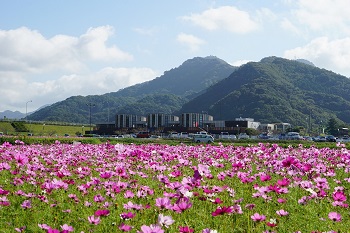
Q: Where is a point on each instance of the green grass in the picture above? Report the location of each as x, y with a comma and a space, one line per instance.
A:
43, 129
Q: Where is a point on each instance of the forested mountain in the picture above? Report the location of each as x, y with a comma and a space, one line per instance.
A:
277, 90
272, 90
165, 94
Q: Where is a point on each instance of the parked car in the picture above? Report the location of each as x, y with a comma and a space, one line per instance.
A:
203, 132
183, 135
293, 136
330, 138
263, 136
143, 134
308, 138
282, 136
243, 136
203, 138
225, 135
343, 139
274, 137
320, 139
173, 135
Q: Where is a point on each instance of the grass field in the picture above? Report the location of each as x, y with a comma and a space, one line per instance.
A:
43, 129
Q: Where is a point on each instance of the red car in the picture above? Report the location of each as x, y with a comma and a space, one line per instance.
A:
143, 135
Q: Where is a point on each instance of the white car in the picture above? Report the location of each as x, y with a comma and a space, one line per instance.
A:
224, 135
343, 139
203, 138
243, 136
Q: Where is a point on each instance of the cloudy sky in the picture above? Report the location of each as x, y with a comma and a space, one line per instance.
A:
51, 50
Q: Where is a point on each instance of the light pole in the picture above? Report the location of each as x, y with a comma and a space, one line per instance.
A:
107, 112
90, 105
27, 108
82, 130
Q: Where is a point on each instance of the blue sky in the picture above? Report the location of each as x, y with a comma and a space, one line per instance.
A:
51, 50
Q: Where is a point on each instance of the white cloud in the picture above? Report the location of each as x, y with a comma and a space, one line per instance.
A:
25, 50
92, 45
226, 18
17, 90
31, 67
329, 54
287, 25
192, 42
239, 62
324, 15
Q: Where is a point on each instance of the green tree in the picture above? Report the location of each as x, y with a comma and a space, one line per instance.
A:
332, 127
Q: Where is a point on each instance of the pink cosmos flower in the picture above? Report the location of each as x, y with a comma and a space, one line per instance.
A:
127, 216
282, 213
334, 216
208, 230
21, 229
98, 198
258, 218
50, 230
26, 204
94, 220
339, 196
151, 229
185, 229
106, 174
44, 226
250, 206
217, 201
284, 182
182, 206
163, 203
129, 194
66, 228
165, 220
124, 227
265, 177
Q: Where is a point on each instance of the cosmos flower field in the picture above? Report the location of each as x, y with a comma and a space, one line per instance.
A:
153, 188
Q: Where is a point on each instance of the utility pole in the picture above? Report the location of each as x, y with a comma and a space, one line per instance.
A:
90, 105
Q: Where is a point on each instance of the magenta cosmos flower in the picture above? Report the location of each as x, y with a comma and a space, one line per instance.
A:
222, 210
185, 229
102, 212
334, 216
258, 218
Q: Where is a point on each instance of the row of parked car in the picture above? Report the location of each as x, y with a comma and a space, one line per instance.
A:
203, 136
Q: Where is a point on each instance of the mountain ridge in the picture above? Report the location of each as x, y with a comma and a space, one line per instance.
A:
273, 89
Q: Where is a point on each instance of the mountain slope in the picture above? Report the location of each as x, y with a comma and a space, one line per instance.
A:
277, 90
185, 82
190, 78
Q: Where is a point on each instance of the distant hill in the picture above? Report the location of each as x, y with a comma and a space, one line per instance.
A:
277, 90
166, 94
271, 90
12, 115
